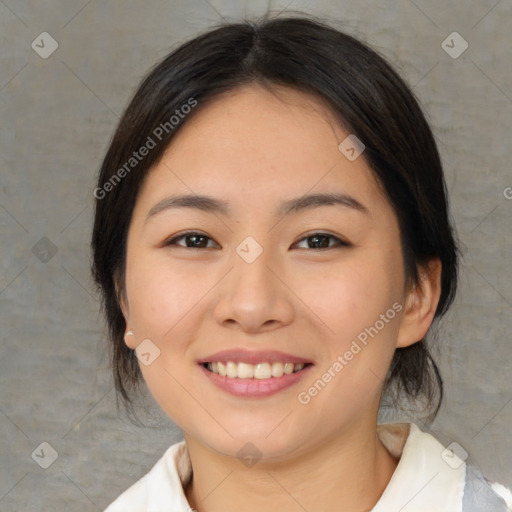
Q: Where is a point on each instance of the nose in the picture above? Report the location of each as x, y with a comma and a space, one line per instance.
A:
253, 297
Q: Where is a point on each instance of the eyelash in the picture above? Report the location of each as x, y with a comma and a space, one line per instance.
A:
339, 241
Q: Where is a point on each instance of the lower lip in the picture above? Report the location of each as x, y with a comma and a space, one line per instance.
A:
255, 388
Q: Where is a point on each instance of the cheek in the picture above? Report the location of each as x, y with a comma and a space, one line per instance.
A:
164, 303
355, 302
351, 296
161, 296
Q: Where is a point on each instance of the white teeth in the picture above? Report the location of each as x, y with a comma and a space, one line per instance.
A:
277, 369
253, 371
245, 371
262, 371
288, 368
231, 370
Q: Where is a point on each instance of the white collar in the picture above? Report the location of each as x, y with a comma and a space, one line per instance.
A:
422, 481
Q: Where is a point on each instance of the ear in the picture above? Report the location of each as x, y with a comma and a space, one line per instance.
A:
421, 304
122, 300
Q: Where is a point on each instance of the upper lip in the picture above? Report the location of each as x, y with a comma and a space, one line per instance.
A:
242, 355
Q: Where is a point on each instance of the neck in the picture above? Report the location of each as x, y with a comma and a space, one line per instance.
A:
348, 472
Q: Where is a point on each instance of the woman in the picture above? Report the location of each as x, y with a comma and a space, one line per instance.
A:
272, 244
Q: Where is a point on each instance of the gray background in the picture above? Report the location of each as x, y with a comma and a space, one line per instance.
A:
57, 118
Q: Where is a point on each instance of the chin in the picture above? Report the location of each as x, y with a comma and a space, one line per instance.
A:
263, 442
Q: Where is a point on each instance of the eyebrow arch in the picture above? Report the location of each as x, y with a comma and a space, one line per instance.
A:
213, 205
199, 202
321, 199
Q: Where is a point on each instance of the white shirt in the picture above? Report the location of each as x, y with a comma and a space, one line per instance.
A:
427, 478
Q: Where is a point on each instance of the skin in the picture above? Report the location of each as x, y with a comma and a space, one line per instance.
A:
256, 149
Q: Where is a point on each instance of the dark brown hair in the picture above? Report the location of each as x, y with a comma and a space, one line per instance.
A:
363, 91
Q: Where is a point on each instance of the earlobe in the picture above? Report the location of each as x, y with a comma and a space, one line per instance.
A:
421, 304
129, 337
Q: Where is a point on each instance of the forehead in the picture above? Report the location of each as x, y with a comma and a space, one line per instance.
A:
256, 121
254, 146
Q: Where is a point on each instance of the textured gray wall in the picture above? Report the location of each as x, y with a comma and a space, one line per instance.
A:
58, 114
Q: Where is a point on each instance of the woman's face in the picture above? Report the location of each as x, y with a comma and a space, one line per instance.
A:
270, 275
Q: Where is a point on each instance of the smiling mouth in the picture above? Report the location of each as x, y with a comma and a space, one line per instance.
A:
262, 370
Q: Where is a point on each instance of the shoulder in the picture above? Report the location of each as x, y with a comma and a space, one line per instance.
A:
480, 494
161, 488
430, 476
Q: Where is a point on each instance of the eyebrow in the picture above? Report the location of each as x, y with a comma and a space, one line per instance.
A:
213, 205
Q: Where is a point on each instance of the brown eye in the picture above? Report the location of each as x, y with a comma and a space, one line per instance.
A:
323, 241
193, 240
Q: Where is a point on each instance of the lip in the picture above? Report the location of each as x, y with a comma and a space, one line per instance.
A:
255, 388
252, 357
